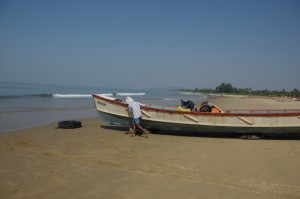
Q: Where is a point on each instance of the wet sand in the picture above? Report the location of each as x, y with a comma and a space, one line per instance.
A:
98, 161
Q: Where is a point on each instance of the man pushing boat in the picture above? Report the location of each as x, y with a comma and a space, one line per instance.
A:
135, 109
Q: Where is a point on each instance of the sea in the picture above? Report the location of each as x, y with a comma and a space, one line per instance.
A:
24, 105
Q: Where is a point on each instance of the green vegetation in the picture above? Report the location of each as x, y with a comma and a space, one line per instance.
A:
229, 89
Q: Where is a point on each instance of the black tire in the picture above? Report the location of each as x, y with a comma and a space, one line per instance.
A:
71, 124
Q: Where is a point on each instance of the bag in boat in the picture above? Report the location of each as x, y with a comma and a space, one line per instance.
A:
188, 105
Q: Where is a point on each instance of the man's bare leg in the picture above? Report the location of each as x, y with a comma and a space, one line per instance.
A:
133, 130
145, 131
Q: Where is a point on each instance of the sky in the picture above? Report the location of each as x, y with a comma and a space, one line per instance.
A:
151, 43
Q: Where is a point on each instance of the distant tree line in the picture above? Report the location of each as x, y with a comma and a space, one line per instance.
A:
229, 89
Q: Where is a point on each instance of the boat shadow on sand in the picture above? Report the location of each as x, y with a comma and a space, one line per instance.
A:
273, 136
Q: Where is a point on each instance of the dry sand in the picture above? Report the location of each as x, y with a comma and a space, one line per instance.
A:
228, 102
97, 161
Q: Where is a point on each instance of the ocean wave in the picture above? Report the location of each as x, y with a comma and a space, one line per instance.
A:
191, 93
169, 99
130, 94
25, 96
71, 95
68, 95
89, 95
45, 95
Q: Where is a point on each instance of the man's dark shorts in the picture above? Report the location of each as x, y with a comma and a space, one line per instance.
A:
137, 120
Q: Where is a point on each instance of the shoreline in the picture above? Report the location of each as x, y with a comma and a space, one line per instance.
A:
24, 120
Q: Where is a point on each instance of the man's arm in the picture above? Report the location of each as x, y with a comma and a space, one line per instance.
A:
129, 109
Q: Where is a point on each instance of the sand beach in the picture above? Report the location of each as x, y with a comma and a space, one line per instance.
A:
99, 161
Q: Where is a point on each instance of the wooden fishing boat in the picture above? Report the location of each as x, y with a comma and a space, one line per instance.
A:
114, 112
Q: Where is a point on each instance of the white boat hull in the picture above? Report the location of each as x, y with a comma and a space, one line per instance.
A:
114, 113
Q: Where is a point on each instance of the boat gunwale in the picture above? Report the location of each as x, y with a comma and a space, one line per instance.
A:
209, 113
